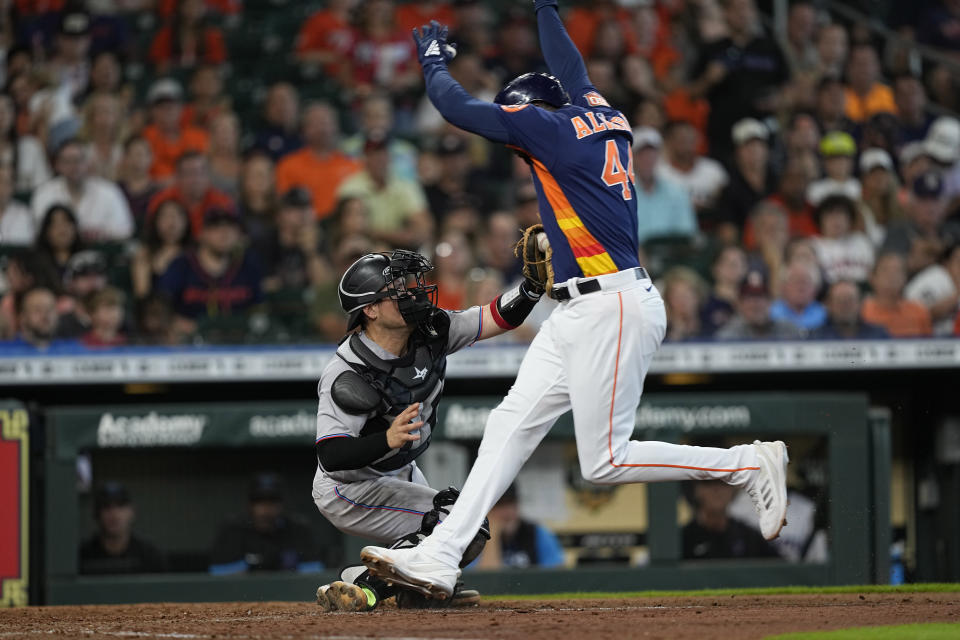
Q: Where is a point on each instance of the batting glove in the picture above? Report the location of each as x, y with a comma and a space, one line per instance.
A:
432, 44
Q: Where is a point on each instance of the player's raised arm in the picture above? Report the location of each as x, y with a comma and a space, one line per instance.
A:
452, 101
559, 52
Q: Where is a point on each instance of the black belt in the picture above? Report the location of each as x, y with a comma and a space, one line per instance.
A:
591, 285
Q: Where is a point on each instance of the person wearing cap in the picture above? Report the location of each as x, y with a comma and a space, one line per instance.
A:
70, 65
838, 150
320, 166
85, 275
753, 321
457, 180
879, 186
919, 237
702, 177
192, 187
266, 537
397, 205
751, 179
843, 252
740, 74
101, 210
168, 136
115, 548
866, 95
290, 253
664, 209
844, 321
938, 288
218, 279
942, 145
887, 307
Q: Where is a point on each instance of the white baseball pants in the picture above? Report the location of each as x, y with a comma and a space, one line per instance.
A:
591, 356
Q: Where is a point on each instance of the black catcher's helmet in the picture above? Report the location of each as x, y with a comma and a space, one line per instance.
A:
533, 87
397, 275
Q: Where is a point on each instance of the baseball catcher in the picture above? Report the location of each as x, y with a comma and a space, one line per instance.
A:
378, 407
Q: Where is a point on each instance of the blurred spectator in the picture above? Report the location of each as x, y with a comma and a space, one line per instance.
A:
771, 235
280, 132
106, 76
881, 131
101, 209
684, 293
326, 315
37, 322
911, 100
134, 177
101, 130
740, 74
712, 533
939, 25
415, 14
350, 219
453, 258
70, 65
516, 542
942, 145
843, 316
728, 270
167, 8
22, 153
23, 270
187, 40
865, 94
937, 288
106, 311
290, 254
943, 86
114, 548
702, 177
516, 46
382, 54
914, 162
832, 48
165, 238
58, 239
224, 153
17, 224
797, 303
217, 278
918, 238
843, 254
208, 101
831, 106
327, 37
258, 197
879, 186
496, 245
167, 135
663, 206
320, 166
798, 43
802, 136
750, 181
377, 121
887, 307
792, 198
192, 188
397, 206
265, 538
155, 321
85, 275
838, 150
457, 180
753, 321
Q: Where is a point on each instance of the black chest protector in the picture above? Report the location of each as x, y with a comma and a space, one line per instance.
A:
416, 376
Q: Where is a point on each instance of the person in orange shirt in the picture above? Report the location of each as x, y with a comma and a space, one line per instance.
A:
193, 190
887, 307
414, 14
327, 37
319, 167
865, 94
187, 39
168, 138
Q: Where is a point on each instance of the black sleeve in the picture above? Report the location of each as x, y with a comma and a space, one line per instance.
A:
343, 454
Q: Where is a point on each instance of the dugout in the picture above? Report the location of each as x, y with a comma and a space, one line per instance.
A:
186, 465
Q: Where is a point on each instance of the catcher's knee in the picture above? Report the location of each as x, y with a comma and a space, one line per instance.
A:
442, 502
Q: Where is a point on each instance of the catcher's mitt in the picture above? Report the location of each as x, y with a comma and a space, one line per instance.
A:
534, 249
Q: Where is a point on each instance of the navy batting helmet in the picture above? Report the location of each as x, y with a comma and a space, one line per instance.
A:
533, 87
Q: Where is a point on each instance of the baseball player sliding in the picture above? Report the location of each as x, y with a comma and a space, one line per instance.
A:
593, 352
377, 409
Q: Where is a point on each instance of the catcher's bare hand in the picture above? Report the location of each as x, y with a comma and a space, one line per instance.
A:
399, 432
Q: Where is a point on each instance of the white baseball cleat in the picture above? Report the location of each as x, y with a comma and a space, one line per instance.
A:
412, 569
768, 487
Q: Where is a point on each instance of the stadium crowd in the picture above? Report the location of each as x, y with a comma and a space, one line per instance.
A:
202, 171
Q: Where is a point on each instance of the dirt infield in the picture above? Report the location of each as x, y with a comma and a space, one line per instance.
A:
700, 617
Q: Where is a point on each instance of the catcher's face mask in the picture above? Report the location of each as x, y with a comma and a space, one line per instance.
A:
416, 300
